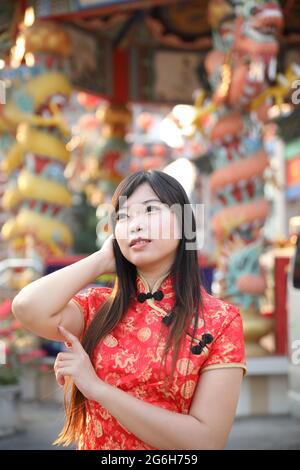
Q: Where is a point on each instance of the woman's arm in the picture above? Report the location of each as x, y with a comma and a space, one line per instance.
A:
207, 425
45, 303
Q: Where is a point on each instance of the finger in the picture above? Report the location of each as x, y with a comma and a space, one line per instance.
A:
73, 340
62, 356
66, 370
59, 364
60, 379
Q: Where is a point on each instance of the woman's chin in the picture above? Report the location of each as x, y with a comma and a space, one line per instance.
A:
142, 259
138, 258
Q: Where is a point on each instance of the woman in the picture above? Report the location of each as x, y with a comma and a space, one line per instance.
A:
155, 362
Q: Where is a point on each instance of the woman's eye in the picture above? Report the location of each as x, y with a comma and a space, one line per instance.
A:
121, 216
151, 208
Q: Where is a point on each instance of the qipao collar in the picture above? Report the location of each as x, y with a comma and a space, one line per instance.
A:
158, 298
161, 293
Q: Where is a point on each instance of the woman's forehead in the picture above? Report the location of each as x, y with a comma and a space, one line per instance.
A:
141, 195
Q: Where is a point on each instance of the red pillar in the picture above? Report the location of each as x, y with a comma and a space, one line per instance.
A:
120, 76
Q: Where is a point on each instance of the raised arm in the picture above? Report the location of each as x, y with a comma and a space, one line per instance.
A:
46, 303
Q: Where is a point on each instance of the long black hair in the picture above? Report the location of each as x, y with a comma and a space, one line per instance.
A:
186, 283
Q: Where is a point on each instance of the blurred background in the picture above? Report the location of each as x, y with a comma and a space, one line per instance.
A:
207, 91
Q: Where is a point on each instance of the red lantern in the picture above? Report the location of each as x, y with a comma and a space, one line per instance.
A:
87, 100
159, 150
139, 151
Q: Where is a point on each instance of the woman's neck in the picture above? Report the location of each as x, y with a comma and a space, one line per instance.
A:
151, 275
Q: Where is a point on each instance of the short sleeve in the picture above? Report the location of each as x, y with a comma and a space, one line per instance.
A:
90, 301
228, 350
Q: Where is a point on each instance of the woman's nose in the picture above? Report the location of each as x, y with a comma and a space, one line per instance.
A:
136, 224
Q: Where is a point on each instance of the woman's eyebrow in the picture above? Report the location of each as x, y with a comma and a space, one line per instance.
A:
143, 202
150, 200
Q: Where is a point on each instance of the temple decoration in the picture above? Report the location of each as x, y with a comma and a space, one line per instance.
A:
240, 69
36, 196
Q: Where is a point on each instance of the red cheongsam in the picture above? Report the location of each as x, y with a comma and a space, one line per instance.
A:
130, 357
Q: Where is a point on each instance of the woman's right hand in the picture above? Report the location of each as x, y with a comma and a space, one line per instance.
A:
108, 253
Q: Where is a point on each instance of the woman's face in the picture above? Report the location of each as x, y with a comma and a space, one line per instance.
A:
147, 231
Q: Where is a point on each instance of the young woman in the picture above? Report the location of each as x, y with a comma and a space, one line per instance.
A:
154, 362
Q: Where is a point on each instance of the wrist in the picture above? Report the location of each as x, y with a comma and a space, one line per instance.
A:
99, 390
99, 263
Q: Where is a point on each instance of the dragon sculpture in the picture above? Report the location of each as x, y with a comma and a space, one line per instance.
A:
241, 71
36, 197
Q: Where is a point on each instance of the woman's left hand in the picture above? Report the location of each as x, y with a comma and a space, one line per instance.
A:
76, 364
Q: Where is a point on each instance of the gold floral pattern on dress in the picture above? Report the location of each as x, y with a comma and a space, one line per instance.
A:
104, 413
184, 366
98, 361
144, 334
146, 373
149, 318
113, 379
127, 324
125, 360
110, 341
188, 388
130, 357
98, 429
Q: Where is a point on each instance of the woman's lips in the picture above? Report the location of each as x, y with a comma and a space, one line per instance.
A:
139, 244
